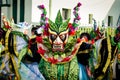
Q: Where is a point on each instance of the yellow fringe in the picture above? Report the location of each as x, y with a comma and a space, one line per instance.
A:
15, 66
99, 57
109, 55
11, 55
14, 45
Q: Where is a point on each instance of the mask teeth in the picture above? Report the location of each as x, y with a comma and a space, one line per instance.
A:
57, 47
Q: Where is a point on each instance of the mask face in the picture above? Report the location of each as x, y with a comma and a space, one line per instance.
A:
58, 41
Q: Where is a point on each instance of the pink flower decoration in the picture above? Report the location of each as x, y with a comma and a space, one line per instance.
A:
78, 18
41, 7
79, 4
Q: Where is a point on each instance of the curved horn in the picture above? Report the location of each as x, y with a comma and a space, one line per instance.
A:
43, 19
77, 17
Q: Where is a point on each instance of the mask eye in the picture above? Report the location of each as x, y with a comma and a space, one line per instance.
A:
53, 37
63, 37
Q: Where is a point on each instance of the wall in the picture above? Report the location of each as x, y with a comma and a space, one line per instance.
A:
58, 5
115, 12
28, 11
6, 11
99, 8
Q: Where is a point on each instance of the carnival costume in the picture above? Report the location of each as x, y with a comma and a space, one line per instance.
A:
59, 47
64, 55
14, 47
106, 49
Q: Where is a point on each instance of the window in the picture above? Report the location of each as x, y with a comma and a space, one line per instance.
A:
66, 13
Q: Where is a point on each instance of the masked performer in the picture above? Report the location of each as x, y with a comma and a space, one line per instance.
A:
59, 47
14, 48
106, 49
85, 57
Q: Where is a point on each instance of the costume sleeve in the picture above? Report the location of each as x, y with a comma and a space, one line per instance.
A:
84, 53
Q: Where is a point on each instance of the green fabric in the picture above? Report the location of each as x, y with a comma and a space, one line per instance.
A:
113, 42
66, 71
60, 71
118, 45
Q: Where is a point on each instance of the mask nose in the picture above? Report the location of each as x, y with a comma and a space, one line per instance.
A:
58, 40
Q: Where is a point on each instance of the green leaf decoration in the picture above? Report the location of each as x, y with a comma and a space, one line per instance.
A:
71, 42
118, 45
75, 25
58, 26
53, 26
45, 12
68, 47
47, 43
58, 20
64, 26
